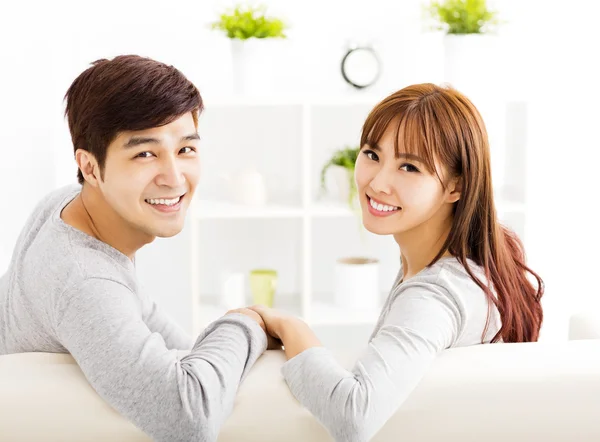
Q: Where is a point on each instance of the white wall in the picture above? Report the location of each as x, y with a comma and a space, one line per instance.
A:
548, 56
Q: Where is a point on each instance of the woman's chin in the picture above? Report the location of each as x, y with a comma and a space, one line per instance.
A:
376, 227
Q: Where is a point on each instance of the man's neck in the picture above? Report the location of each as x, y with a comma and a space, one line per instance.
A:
90, 213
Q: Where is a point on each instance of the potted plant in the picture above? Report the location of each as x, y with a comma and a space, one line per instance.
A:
469, 55
341, 166
255, 42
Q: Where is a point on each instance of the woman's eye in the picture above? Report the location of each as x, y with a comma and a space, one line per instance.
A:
409, 167
371, 155
144, 155
187, 149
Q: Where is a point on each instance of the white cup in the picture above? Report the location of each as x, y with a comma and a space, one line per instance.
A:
356, 283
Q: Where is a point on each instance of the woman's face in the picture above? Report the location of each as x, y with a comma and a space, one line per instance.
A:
398, 194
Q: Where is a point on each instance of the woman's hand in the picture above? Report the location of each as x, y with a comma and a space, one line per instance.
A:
273, 319
291, 331
272, 342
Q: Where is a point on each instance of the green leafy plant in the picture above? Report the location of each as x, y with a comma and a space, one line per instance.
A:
463, 16
244, 22
345, 157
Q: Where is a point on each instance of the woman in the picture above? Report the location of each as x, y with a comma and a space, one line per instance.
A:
423, 176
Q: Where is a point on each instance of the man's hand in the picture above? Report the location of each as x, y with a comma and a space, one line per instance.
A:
272, 342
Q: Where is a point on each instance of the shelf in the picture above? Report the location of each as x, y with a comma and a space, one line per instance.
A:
321, 314
331, 210
300, 230
210, 310
347, 100
338, 210
208, 209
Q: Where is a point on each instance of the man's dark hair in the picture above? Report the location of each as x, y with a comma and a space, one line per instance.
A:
126, 93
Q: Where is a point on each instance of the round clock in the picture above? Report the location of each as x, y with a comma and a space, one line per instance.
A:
361, 66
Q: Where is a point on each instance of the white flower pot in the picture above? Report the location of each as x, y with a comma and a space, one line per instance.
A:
254, 64
471, 63
341, 182
356, 284
247, 187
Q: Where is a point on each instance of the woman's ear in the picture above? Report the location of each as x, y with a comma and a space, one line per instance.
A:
454, 190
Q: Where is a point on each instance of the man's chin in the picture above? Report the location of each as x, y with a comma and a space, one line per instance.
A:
167, 233
164, 231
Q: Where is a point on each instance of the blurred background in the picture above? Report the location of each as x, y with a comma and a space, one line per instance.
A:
278, 111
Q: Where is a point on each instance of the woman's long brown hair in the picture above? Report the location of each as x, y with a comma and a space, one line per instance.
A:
441, 125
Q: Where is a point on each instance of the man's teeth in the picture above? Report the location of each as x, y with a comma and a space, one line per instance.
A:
382, 207
163, 201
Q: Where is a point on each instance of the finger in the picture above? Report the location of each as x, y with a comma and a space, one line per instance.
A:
259, 308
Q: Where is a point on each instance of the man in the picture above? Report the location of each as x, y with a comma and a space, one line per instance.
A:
71, 286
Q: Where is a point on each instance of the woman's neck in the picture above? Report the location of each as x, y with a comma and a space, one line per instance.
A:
419, 246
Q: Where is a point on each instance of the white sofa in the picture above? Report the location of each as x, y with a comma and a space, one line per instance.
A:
494, 393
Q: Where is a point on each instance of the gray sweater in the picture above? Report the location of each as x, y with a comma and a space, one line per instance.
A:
439, 308
66, 292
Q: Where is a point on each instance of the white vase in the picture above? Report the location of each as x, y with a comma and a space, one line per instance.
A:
341, 181
248, 187
471, 63
356, 283
254, 64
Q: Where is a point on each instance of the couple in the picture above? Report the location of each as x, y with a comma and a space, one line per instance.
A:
423, 176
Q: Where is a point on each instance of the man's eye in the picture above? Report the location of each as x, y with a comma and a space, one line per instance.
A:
371, 155
144, 155
187, 149
409, 167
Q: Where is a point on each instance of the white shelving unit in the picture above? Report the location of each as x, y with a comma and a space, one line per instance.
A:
300, 233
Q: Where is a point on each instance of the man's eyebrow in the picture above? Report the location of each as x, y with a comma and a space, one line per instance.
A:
137, 140
191, 137
410, 156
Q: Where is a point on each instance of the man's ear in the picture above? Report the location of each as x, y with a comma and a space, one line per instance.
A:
89, 166
454, 190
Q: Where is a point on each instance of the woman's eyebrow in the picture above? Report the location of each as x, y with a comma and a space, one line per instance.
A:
410, 156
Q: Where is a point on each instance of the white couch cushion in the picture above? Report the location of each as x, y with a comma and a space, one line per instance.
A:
517, 392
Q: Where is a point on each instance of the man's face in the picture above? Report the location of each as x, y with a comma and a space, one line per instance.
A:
150, 176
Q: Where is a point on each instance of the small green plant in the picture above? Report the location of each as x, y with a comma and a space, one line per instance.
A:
345, 157
463, 16
244, 22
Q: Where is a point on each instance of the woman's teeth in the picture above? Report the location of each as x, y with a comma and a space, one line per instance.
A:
382, 207
164, 202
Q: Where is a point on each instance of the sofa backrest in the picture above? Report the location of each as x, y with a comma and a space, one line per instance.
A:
518, 392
